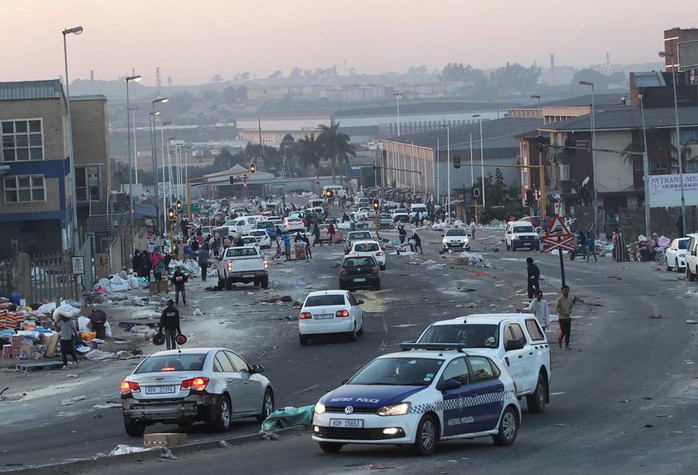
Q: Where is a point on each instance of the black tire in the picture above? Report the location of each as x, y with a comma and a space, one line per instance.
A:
513, 248
361, 330
133, 428
508, 247
221, 419
221, 284
267, 405
678, 269
508, 427
331, 447
265, 282
255, 283
536, 401
691, 276
228, 284
426, 436
352, 334
303, 339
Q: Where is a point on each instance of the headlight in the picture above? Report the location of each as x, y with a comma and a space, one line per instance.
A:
394, 410
319, 408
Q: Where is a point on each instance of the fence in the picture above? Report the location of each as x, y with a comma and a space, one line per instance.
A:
50, 277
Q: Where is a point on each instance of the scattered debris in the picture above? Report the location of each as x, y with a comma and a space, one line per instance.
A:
108, 405
656, 315
167, 454
225, 443
72, 400
692, 322
467, 289
268, 435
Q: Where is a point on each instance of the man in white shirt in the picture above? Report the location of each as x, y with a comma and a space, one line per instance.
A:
539, 308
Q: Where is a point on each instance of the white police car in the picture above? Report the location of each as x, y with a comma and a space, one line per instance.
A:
419, 398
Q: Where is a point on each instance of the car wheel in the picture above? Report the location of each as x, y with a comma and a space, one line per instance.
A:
508, 428
267, 405
513, 248
221, 283
691, 276
508, 247
228, 284
352, 334
425, 439
331, 447
222, 416
255, 283
668, 265
536, 401
303, 339
133, 428
265, 282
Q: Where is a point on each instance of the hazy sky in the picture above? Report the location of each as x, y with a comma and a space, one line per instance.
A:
191, 41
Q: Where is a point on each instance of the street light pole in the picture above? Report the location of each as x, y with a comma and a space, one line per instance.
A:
153, 136
645, 168
448, 170
398, 96
437, 172
482, 162
539, 145
593, 154
73, 185
135, 78
670, 54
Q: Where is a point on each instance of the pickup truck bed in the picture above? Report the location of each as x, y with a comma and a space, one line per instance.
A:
243, 264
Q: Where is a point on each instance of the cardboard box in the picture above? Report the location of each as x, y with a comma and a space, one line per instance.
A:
163, 286
164, 439
26, 352
462, 261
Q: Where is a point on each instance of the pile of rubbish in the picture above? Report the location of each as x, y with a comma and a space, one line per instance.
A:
475, 259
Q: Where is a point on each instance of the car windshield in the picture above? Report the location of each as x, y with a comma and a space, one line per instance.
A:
361, 235
524, 229
472, 335
324, 300
168, 363
238, 252
358, 261
265, 224
456, 232
369, 247
398, 372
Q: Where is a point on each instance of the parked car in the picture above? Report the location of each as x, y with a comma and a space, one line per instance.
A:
355, 236
330, 311
456, 239
368, 247
249, 241
401, 215
520, 234
676, 254
418, 398
692, 256
294, 225
514, 339
359, 271
262, 237
212, 385
385, 220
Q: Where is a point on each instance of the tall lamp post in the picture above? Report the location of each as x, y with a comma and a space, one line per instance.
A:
398, 96
135, 78
539, 145
482, 160
669, 54
593, 153
153, 137
73, 188
645, 168
448, 170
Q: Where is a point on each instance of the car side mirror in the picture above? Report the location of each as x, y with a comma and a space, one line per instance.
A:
513, 345
257, 368
360, 301
449, 384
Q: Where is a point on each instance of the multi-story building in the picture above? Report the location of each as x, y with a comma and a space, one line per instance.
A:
35, 209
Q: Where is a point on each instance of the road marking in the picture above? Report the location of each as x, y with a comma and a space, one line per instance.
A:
306, 389
557, 394
405, 325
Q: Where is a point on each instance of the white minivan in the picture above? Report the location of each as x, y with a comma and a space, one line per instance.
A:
418, 208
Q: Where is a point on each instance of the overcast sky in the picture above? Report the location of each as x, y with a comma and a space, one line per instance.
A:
191, 41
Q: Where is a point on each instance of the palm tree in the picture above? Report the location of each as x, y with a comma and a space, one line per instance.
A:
309, 152
336, 146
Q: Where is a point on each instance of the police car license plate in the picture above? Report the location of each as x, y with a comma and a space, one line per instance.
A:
360, 280
324, 316
160, 390
347, 423
247, 276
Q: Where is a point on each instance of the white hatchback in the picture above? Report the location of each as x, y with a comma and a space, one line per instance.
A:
368, 247
330, 311
262, 237
676, 254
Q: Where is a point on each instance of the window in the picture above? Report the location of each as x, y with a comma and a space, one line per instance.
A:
456, 370
534, 330
515, 332
323, 300
237, 361
25, 189
564, 172
483, 369
180, 362
22, 140
88, 183
221, 364
352, 300
637, 166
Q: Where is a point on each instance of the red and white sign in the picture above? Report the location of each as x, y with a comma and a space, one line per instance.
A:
558, 229
563, 244
558, 236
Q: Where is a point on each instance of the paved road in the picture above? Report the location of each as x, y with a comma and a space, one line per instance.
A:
622, 399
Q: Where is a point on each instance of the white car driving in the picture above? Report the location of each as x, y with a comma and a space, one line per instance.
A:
456, 239
262, 237
368, 247
330, 311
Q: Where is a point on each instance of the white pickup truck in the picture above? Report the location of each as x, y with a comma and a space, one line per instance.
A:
515, 339
242, 264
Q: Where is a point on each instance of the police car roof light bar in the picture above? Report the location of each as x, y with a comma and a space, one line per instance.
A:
433, 346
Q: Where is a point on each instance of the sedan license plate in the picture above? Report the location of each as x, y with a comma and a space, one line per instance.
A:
324, 316
248, 276
361, 279
160, 389
347, 423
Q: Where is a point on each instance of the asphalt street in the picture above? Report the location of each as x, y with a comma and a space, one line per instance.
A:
622, 399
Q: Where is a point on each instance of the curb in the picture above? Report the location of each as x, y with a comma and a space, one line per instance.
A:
77, 466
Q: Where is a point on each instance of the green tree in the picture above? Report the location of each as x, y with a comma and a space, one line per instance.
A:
335, 146
458, 72
515, 78
309, 151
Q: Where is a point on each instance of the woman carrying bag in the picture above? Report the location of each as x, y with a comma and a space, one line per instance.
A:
68, 335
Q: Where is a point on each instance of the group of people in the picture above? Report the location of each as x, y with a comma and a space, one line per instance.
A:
541, 308
415, 242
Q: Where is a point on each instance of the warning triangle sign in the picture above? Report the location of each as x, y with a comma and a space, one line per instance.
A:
557, 229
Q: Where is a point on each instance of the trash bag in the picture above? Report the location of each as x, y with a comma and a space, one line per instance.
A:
291, 416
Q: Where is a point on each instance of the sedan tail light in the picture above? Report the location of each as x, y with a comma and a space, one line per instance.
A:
342, 313
128, 387
376, 269
195, 384
305, 316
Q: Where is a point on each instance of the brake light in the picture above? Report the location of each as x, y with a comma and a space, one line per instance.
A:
229, 265
266, 263
195, 384
342, 270
376, 269
128, 387
168, 368
342, 313
305, 316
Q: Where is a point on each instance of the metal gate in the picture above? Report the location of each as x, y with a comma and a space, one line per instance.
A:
51, 277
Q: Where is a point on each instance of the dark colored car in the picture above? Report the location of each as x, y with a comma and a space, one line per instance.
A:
359, 271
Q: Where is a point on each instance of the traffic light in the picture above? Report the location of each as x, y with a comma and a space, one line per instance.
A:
171, 214
530, 197
253, 168
376, 204
456, 161
244, 178
232, 180
179, 206
329, 194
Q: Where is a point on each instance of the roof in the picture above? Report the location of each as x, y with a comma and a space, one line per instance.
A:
604, 99
649, 79
328, 292
628, 117
418, 107
28, 90
186, 351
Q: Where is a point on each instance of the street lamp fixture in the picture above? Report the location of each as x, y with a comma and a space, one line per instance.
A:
593, 152
645, 167
669, 54
135, 78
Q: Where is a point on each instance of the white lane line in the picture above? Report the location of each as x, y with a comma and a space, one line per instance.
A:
557, 394
306, 389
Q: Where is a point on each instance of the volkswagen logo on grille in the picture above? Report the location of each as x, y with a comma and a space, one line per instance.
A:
349, 410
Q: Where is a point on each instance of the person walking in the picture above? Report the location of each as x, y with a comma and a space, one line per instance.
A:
157, 261
591, 247
331, 230
179, 278
287, 246
316, 235
533, 277
622, 254
68, 334
203, 261
472, 229
540, 308
402, 234
417, 241
169, 321
563, 307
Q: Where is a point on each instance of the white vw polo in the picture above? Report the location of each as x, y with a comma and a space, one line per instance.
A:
419, 398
